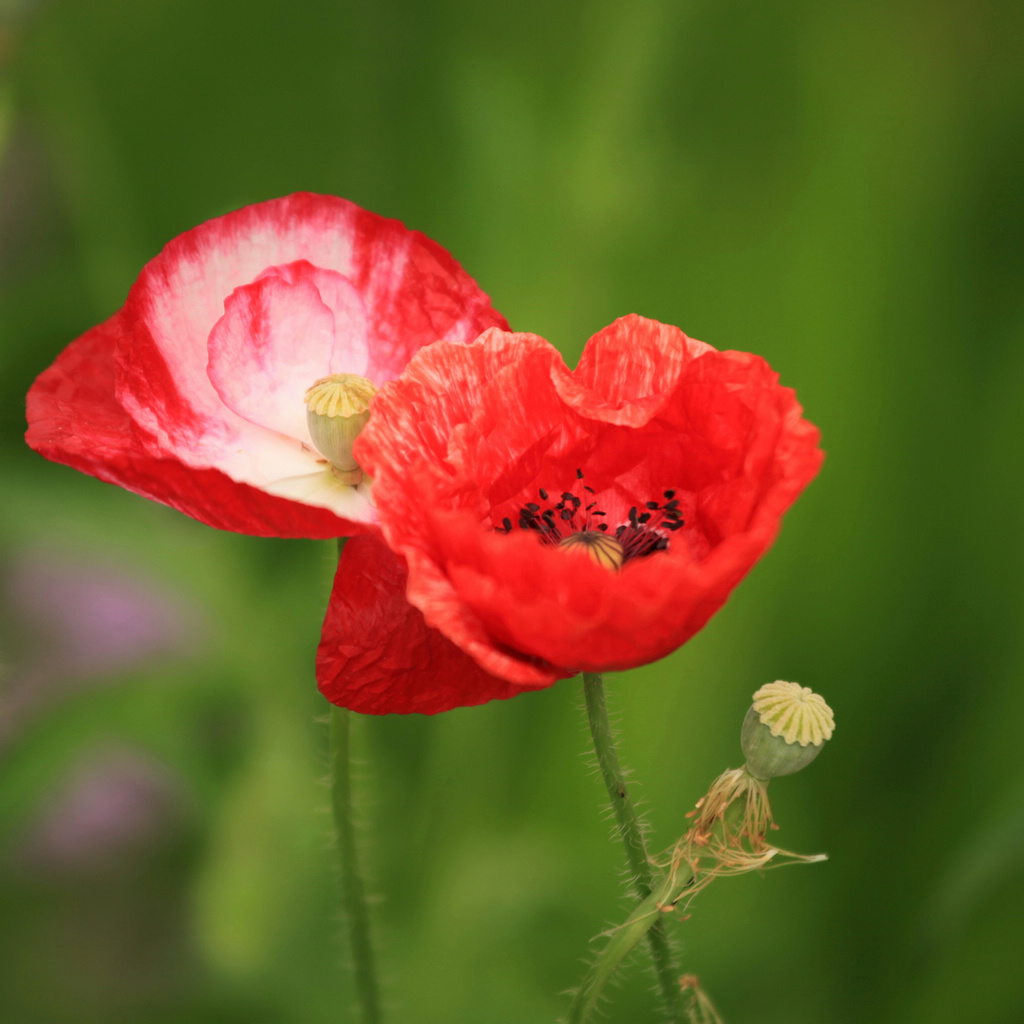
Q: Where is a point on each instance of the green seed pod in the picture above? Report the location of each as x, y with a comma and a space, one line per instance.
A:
785, 729
338, 407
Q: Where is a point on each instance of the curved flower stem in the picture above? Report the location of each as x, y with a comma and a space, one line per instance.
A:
631, 832
353, 892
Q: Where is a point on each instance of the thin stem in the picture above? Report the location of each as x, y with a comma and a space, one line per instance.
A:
353, 892
631, 833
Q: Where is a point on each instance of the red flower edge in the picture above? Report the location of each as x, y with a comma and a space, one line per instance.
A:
470, 436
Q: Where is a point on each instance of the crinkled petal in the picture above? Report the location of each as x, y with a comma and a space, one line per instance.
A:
74, 419
377, 655
443, 591
442, 391
628, 370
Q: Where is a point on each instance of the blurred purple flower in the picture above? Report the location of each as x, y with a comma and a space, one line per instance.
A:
116, 805
73, 624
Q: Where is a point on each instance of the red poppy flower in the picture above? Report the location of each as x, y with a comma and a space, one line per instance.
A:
552, 521
192, 394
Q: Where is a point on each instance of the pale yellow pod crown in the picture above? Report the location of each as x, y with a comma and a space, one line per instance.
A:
795, 713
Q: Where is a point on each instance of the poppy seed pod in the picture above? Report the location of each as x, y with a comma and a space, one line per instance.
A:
337, 409
784, 729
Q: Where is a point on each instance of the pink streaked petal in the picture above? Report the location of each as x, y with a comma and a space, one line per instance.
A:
243, 451
75, 420
273, 342
412, 300
337, 293
414, 293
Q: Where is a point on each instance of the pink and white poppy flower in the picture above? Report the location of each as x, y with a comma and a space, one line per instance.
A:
192, 394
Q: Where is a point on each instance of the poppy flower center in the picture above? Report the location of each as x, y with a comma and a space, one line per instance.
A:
576, 523
337, 409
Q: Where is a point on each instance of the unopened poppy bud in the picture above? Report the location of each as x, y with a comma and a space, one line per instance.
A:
785, 729
338, 407
601, 548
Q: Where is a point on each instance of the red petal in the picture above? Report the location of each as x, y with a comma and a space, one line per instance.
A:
378, 656
628, 370
446, 387
75, 420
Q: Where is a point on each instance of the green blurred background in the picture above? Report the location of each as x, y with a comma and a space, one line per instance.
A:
834, 186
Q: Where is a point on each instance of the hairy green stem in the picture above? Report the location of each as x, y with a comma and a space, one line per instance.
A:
353, 892
620, 942
631, 833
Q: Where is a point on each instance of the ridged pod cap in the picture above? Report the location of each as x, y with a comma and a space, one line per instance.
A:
785, 729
